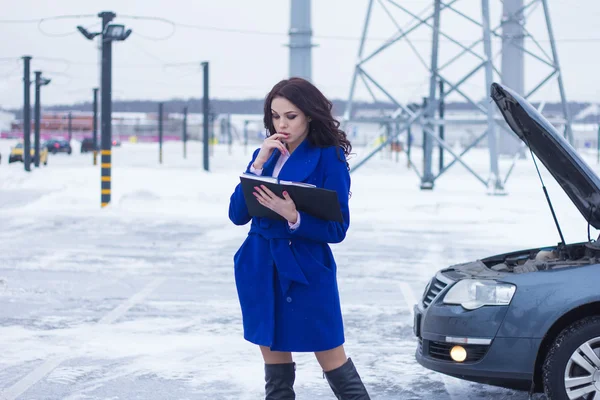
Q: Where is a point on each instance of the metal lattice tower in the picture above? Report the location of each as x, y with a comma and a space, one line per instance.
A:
511, 30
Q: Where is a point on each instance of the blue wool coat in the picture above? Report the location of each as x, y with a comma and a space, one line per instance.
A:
286, 279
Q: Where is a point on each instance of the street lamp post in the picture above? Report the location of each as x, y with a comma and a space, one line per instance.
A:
160, 133
185, 116
70, 126
110, 32
39, 82
95, 137
26, 113
205, 112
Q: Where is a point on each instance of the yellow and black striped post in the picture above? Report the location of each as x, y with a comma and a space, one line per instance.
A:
106, 160
108, 36
106, 112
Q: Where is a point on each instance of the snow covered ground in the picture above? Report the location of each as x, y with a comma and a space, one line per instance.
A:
137, 300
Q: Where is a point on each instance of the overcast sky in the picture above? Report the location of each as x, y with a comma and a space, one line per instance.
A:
244, 40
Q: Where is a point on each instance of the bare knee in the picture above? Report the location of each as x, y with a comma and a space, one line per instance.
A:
275, 357
331, 359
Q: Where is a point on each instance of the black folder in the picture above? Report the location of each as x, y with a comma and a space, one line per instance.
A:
318, 202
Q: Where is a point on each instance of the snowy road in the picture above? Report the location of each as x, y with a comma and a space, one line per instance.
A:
138, 300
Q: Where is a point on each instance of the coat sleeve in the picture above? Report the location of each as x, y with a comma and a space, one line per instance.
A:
238, 212
337, 178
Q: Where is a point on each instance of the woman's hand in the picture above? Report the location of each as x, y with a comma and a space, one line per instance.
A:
269, 144
284, 207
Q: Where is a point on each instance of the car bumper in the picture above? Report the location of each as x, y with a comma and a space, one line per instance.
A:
505, 362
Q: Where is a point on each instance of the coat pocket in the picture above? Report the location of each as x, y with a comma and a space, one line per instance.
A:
240, 256
236, 256
315, 261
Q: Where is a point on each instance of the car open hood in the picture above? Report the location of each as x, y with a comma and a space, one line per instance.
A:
577, 179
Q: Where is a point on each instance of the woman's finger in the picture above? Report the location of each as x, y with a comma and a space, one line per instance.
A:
282, 148
277, 144
264, 202
262, 193
259, 193
268, 191
261, 198
277, 136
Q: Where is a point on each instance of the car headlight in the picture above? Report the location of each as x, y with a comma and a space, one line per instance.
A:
473, 294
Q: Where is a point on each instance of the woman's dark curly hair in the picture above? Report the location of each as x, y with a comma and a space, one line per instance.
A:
323, 130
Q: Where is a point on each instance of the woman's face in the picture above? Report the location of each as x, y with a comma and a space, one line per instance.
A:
289, 120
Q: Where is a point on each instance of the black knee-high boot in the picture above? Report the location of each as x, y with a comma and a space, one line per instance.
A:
279, 381
346, 383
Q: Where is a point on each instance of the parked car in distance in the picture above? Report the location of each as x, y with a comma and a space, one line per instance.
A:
87, 145
528, 319
58, 146
16, 154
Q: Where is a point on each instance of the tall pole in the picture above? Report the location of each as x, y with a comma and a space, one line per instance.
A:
513, 63
185, 116
106, 99
427, 180
442, 126
229, 133
160, 132
245, 136
494, 181
409, 139
95, 134
36, 129
205, 119
396, 129
70, 118
26, 114
300, 40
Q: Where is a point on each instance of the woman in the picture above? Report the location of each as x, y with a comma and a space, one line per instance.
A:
285, 272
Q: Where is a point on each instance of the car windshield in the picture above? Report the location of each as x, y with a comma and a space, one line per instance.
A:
19, 146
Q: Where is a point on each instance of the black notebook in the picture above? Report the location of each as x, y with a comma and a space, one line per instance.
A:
318, 202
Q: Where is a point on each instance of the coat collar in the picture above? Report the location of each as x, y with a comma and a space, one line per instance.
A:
302, 162
270, 164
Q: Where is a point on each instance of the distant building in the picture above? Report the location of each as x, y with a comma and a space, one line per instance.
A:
235, 128
140, 126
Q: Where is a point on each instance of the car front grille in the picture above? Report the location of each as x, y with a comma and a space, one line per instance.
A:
441, 351
437, 284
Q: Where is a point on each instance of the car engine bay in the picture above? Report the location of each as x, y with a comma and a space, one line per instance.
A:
546, 258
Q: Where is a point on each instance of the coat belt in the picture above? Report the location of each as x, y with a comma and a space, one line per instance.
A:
287, 266
288, 269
